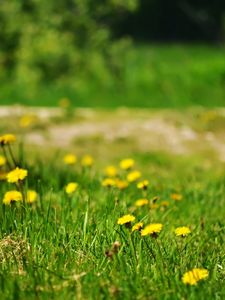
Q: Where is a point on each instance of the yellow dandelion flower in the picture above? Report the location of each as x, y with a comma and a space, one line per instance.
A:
71, 187
154, 205
87, 161
31, 196
2, 160
64, 103
164, 203
125, 219
176, 197
141, 202
26, 121
7, 139
121, 184
16, 175
108, 182
152, 229
133, 176
111, 171
143, 185
195, 275
70, 159
182, 231
12, 196
126, 164
138, 226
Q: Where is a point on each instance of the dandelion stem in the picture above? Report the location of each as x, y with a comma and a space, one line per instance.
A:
150, 249
12, 155
133, 248
6, 156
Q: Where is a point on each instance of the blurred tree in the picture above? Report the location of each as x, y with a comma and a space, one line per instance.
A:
50, 40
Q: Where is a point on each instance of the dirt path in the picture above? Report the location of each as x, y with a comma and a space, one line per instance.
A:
149, 130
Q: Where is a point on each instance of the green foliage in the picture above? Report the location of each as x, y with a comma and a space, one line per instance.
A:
56, 40
151, 76
66, 48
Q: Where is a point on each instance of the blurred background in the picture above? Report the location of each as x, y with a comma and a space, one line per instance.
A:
109, 53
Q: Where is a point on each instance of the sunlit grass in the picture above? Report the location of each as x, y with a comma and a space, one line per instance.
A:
71, 245
152, 76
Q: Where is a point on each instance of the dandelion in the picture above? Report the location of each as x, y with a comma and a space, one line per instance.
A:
2, 160
16, 175
7, 139
133, 176
182, 231
176, 197
138, 226
87, 161
108, 182
153, 205
141, 202
71, 187
121, 184
111, 171
126, 164
152, 229
64, 103
126, 219
70, 159
164, 203
195, 275
31, 196
26, 121
12, 196
143, 185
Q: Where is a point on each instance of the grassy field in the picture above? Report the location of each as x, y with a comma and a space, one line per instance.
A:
70, 246
152, 76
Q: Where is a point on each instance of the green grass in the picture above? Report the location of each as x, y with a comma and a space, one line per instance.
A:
152, 76
56, 248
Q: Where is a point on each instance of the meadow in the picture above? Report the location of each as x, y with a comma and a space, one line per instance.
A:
76, 225
173, 76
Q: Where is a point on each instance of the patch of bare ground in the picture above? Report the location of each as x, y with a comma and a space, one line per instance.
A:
150, 130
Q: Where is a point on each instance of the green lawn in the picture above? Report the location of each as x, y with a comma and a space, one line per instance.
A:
63, 246
153, 76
